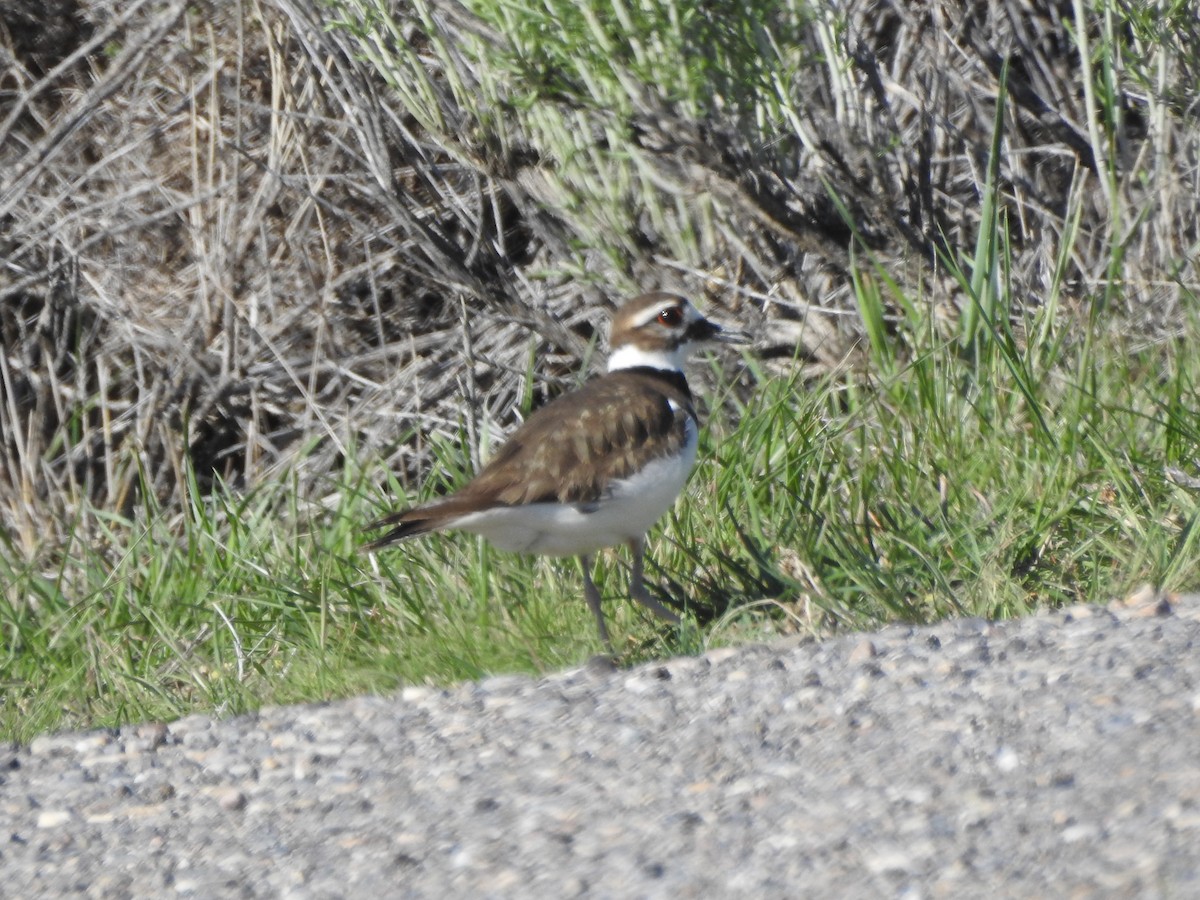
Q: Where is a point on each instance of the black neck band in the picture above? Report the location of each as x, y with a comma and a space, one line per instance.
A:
671, 376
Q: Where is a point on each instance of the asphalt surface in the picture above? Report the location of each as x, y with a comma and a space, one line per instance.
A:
1055, 756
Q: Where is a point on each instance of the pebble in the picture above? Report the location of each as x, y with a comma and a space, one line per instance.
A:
53, 818
863, 652
232, 800
147, 738
720, 654
1049, 756
1007, 760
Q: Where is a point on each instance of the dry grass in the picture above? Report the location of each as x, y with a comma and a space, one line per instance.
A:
225, 244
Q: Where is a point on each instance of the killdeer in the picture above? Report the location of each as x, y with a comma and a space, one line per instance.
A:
596, 467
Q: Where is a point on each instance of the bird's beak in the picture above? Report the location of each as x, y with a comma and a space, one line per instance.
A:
732, 336
705, 330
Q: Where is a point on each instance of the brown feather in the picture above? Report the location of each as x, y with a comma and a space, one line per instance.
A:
568, 450
571, 447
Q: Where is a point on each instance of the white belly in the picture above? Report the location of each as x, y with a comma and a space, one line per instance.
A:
627, 513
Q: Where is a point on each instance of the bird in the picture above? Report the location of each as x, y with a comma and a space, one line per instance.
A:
597, 466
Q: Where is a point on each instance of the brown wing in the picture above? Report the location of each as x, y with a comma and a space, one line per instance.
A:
566, 451
571, 447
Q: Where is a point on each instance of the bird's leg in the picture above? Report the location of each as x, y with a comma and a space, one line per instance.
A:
593, 599
637, 589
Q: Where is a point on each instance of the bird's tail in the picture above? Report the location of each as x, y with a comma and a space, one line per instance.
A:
410, 523
400, 527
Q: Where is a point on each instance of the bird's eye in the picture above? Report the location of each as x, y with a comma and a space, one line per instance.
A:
670, 316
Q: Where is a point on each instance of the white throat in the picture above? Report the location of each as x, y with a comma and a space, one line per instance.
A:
627, 356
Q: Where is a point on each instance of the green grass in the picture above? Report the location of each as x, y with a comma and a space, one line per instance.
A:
842, 503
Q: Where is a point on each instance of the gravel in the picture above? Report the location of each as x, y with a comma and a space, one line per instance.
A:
1057, 755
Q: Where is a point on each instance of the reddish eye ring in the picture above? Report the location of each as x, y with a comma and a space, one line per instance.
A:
670, 316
